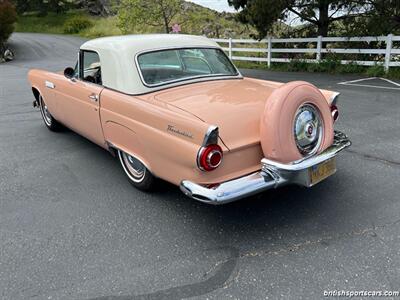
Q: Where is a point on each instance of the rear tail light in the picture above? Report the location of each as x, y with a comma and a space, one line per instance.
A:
209, 157
335, 112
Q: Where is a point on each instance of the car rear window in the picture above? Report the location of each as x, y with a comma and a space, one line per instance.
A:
166, 66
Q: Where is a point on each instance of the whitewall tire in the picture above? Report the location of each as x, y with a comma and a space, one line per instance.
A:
139, 176
48, 119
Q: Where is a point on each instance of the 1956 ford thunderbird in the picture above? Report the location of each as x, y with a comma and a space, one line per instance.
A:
175, 107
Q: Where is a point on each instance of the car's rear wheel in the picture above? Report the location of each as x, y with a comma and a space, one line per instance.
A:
139, 176
48, 119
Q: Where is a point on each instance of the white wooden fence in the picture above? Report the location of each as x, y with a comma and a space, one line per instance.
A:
382, 55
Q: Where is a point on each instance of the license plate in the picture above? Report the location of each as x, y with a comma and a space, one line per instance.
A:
322, 171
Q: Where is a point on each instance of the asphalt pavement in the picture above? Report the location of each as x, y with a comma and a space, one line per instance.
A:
72, 226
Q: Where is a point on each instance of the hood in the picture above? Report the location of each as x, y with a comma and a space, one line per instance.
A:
234, 105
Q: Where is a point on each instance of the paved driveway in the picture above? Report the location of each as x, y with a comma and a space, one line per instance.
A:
72, 227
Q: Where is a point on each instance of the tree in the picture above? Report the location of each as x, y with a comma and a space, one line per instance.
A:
8, 17
385, 15
382, 18
155, 13
44, 6
22, 5
321, 13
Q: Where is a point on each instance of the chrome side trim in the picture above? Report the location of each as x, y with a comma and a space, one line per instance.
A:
272, 175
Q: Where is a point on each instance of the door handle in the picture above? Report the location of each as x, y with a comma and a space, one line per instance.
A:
94, 97
50, 85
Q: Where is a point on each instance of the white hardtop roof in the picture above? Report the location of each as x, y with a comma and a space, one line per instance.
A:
144, 42
117, 57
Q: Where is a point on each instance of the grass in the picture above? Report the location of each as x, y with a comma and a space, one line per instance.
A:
102, 27
325, 66
54, 23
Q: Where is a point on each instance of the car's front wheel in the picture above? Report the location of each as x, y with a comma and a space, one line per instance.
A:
48, 119
139, 176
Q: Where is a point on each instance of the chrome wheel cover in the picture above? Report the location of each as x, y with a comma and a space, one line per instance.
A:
308, 129
45, 112
133, 167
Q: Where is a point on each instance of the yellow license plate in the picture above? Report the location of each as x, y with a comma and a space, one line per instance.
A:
322, 171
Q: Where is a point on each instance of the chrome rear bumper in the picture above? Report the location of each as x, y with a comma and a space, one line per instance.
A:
272, 175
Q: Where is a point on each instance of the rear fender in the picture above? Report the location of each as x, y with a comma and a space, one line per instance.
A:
331, 96
167, 142
120, 137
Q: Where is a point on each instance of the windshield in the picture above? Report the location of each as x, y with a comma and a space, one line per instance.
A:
166, 66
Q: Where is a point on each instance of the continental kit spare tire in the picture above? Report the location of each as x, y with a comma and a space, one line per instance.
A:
296, 123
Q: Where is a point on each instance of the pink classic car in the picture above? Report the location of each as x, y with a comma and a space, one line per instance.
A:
175, 107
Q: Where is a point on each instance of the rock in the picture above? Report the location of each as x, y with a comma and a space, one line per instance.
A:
99, 7
8, 55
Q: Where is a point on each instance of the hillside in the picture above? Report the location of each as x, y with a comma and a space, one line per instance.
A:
197, 20
211, 23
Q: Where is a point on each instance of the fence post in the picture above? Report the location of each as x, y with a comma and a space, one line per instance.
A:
319, 47
269, 54
388, 51
230, 48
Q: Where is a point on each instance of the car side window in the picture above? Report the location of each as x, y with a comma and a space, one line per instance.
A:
91, 71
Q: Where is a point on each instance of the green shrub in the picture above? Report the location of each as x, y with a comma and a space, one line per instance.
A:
297, 65
77, 24
394, 73
376, 71
328, 65
242, 64
314, 68
351, 68
8, 17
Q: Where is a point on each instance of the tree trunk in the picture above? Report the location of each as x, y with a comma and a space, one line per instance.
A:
323, 23
323, 29
166, 24
166, 27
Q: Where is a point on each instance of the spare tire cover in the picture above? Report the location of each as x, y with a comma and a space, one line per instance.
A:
277, 122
